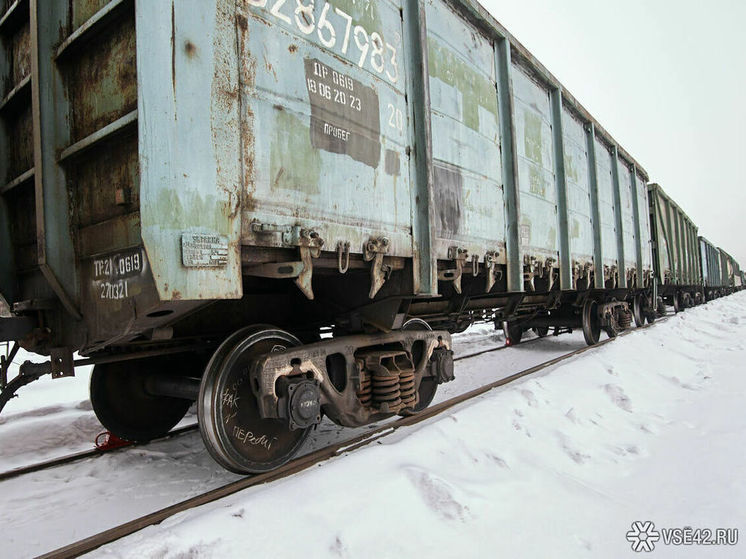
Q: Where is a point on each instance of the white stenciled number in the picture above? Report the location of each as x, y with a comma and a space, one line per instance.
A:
324, 24
381, 55
325, 91
394, 63
348, 19
363, 46
376, 57
275, 11
114, 291
304, 17
396, 118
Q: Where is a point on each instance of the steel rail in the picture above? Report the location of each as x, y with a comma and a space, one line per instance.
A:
494, 349
95, 541
93, 453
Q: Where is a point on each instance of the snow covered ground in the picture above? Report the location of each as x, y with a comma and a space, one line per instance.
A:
649, 428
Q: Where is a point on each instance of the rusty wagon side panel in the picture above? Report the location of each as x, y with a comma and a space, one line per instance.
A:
710, 260
190, 145
677, 256
627, 210
646, 235
539, 220
325, 125
467, 168
19, 272
579, 197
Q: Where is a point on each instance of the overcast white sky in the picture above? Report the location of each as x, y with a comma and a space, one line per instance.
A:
668, 80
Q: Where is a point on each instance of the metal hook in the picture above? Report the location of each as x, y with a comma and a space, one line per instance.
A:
341, 249
475, 265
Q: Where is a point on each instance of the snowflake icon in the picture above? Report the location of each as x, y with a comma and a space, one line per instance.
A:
643, 536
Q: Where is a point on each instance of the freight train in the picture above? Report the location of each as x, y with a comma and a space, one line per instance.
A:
282, 210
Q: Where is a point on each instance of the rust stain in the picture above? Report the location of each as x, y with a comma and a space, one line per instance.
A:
269, 67
176, 295
20, 56
83, 10
21, 145
102, 84
97, 178
293, 49
225, 107
190, 48
247, 83
279, 176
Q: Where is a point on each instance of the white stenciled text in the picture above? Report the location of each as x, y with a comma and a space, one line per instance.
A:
334, 29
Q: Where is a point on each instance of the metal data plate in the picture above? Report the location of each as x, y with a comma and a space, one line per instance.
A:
199, 250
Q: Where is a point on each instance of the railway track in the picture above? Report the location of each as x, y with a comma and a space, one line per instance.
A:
298, 465
95, 452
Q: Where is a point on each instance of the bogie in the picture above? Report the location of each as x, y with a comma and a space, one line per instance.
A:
263, 392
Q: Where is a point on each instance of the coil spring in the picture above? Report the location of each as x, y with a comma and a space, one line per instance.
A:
387, 381
406, 388
386, 393
625, 319
365, 394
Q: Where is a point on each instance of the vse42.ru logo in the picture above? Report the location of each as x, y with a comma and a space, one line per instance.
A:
643, 536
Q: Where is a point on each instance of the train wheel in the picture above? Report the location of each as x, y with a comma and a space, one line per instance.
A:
591, 322
513, 332
233, 431
541, 331
125, 407
677, 307
428, 386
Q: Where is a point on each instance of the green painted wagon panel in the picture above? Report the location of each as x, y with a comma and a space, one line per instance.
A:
607, 209
467, 174
324, 126
539, 221
678, 257
629, 235
645, 231
710, 261
580, 212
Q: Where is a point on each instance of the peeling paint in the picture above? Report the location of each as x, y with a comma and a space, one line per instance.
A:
83, 10
189, 210
363, 12
476, 89
295, 164
552, 237
103, 81
534, 142
571, 171
448, 191
537, 183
